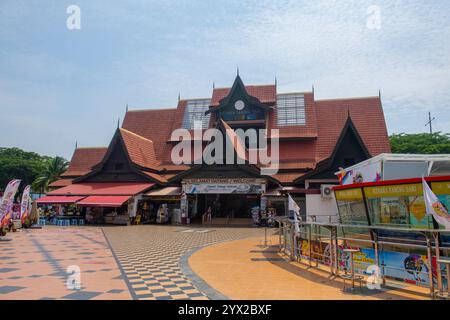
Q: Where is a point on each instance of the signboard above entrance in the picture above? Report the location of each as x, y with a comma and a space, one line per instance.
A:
224, 186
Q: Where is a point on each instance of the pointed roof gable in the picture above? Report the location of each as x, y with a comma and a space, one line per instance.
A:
83, 160
326, 163
140, 150
367, 117
155, 125
260, 96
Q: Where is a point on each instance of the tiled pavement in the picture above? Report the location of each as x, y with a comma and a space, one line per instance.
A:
150, 258
250, 271
34, 265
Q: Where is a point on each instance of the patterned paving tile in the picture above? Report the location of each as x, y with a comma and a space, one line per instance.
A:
41, 259
81, 295
150, 257
9, 289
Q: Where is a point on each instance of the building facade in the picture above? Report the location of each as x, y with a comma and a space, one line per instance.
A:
316, 138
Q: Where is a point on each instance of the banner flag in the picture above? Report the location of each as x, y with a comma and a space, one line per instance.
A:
25, 204
434, 207
6, 203
293, 206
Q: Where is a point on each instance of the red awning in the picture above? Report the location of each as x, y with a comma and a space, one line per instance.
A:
103, 201
103, 189
59, 199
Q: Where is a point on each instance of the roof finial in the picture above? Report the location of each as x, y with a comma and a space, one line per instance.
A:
179, 96
214, 85
313, 88
348, 112
76, 144
379, 93
126, 108
237, 71
276, 82
118, 122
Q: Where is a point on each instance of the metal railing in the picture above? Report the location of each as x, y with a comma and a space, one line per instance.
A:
322, 243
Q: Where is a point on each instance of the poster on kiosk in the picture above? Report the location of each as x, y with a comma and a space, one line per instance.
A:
370, 172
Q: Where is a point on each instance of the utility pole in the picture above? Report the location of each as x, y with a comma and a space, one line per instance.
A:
429, 123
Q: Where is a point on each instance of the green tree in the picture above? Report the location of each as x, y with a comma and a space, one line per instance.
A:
426, 143
53, 170
18, 164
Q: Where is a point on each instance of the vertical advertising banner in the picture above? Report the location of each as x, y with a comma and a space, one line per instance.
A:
25, 204
7, 202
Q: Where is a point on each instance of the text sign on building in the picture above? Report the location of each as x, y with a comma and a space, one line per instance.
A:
223, 186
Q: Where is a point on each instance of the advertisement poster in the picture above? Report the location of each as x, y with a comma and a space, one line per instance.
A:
365, 173
408, 267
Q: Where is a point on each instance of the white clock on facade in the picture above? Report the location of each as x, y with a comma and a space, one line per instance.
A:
239, 105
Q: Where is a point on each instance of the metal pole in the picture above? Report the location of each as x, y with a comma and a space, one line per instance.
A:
280, 233
309, 243
331, 252
430, 265
438, 265
292, 244
336, 250
377, 256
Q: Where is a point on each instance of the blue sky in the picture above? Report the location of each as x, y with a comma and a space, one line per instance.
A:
58, 86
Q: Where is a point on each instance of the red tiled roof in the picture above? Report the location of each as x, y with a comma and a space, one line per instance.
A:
287, 177
367, 116
83, 159
155, 125
102, 188
265, 93
155, 176
140, 150
60, 183
146, 133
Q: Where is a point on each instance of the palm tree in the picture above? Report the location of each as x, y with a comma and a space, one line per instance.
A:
55, 167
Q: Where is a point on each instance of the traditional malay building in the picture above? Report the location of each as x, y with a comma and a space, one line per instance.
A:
136, 172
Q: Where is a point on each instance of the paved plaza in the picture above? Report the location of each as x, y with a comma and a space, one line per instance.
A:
162, 263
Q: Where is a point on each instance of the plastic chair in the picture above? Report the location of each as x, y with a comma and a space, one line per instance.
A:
74, 222
59, 222
42, 221
81, 222
66, 222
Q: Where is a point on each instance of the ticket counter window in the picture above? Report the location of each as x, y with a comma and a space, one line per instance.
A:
397, 205
351, 206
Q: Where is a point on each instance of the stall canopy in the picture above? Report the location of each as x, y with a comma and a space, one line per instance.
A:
59, 199
103, 201
103, 189
168, 191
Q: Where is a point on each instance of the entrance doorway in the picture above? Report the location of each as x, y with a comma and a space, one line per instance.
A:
228, 205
